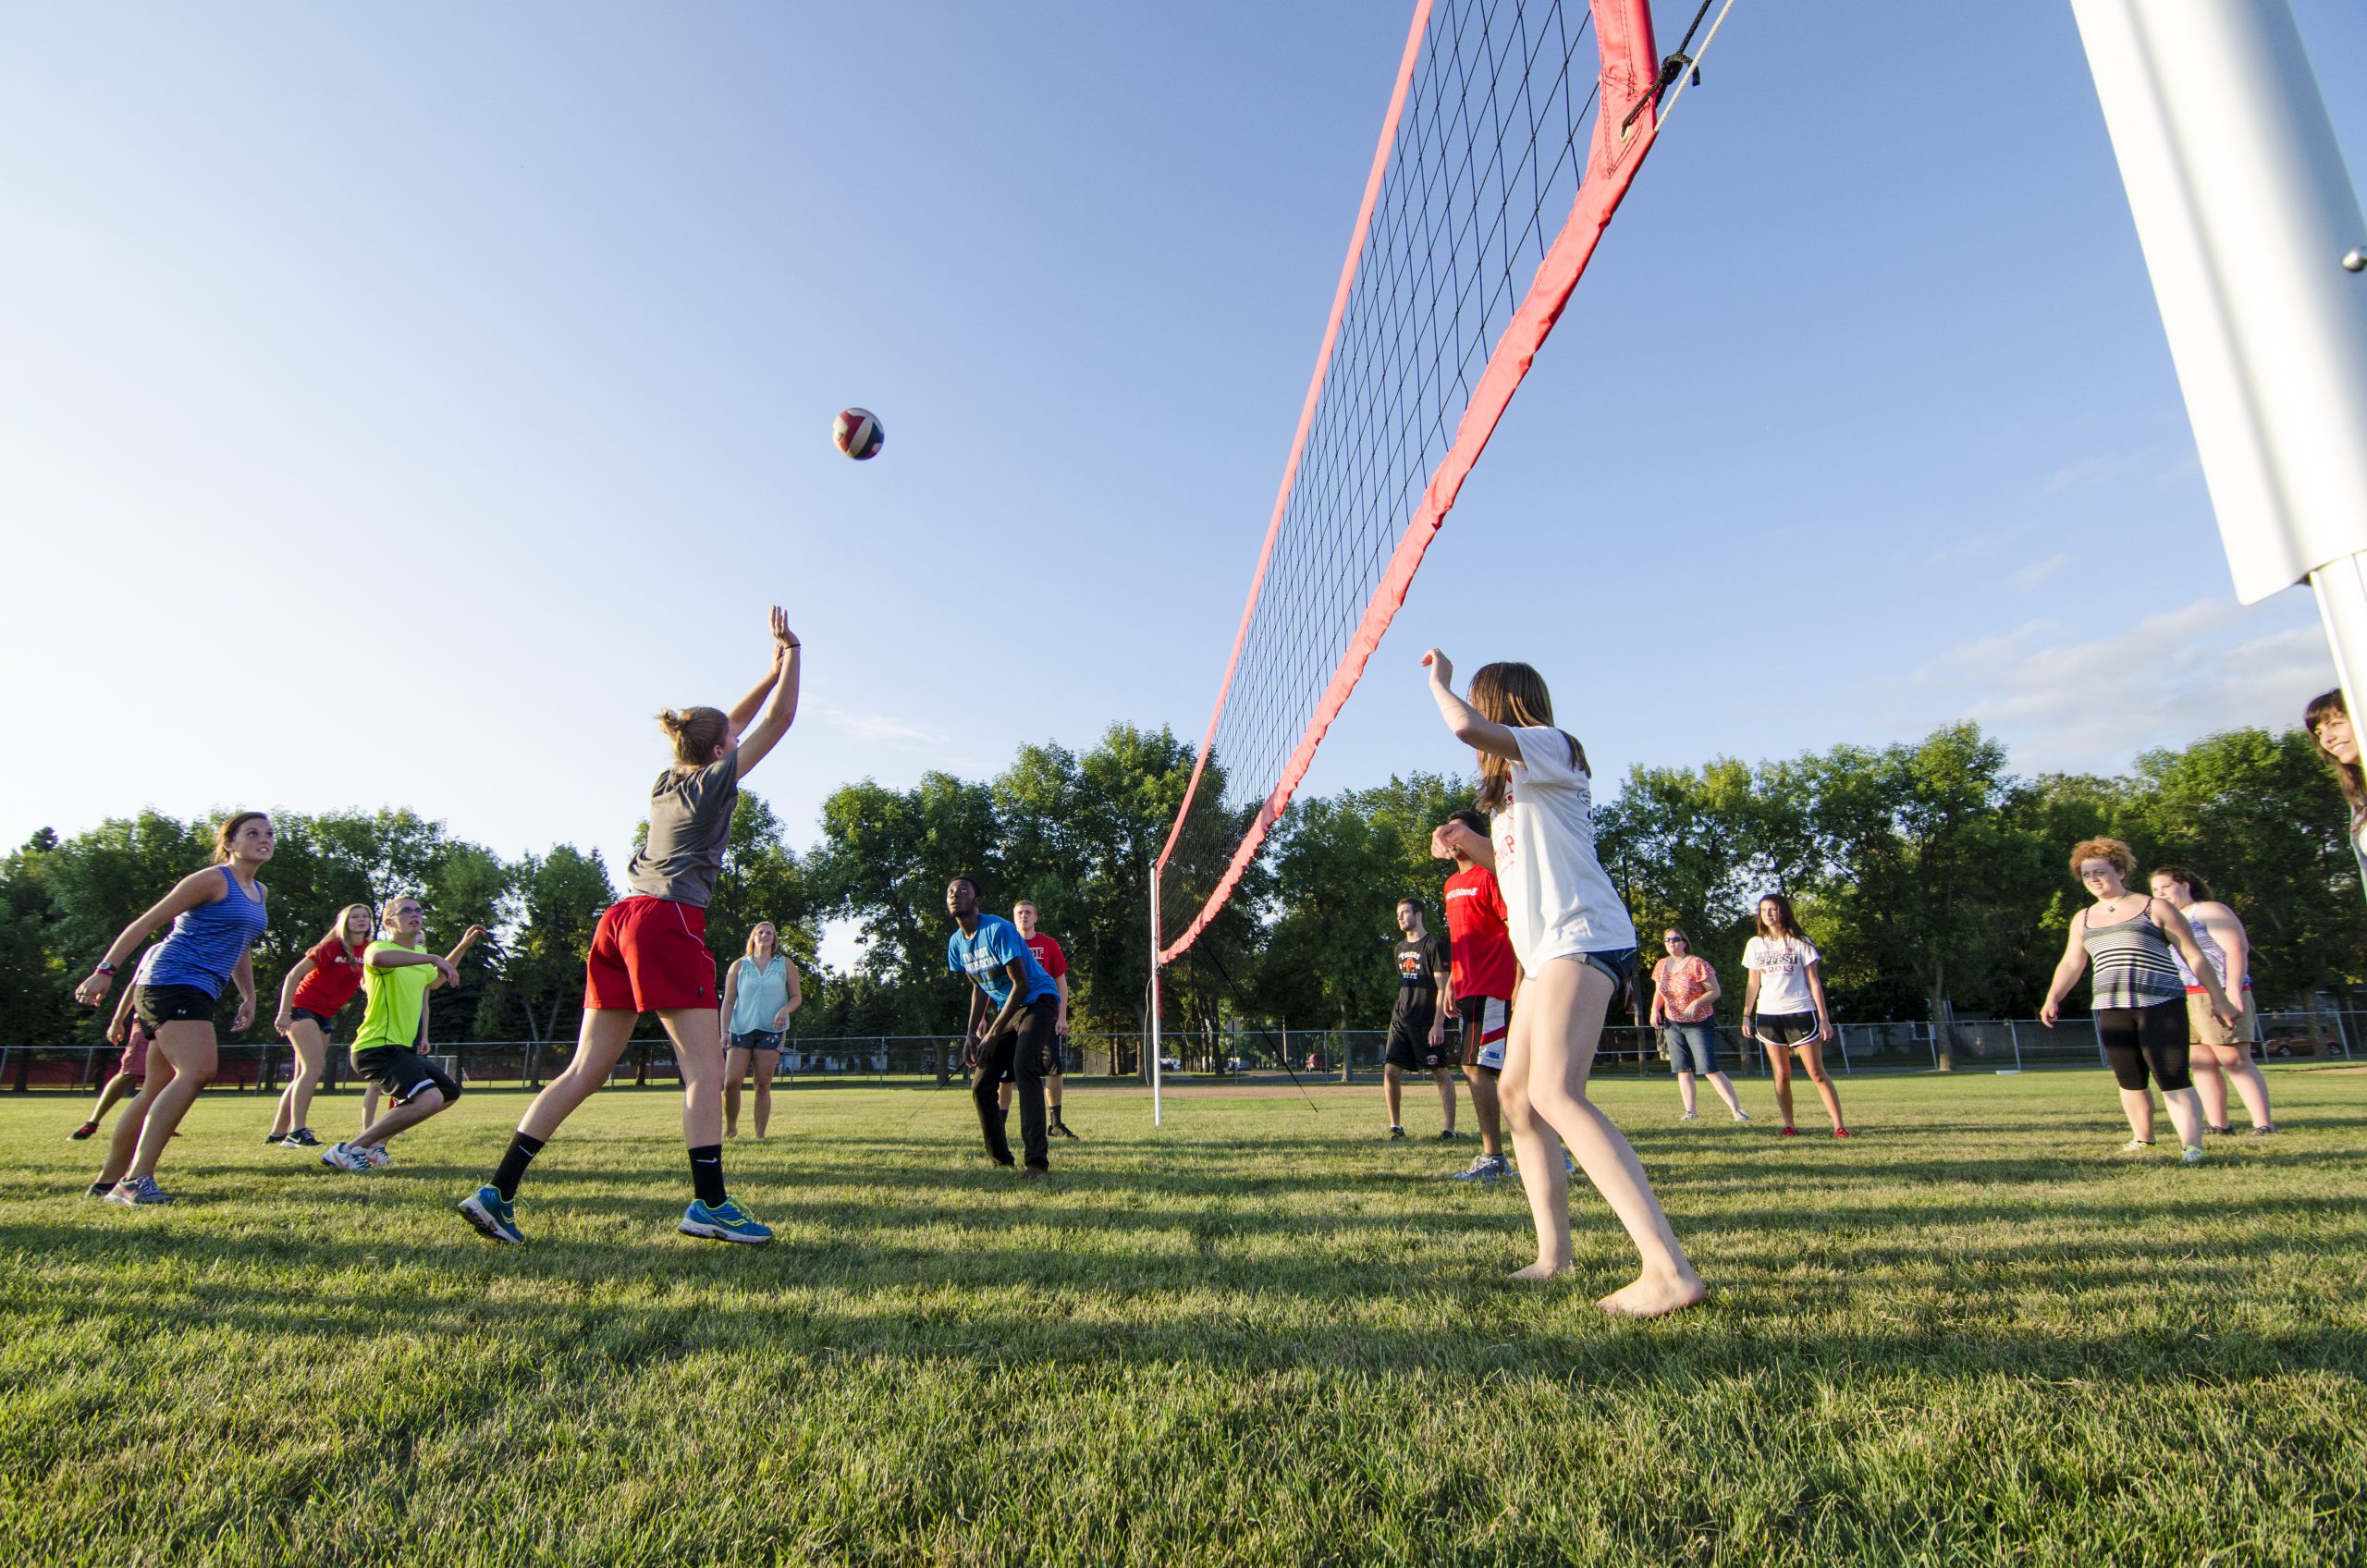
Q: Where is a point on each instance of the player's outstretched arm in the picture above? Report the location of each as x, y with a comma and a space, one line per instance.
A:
1479, 733
782, 712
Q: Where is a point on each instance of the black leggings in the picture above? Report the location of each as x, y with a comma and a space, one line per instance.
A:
2138, 1037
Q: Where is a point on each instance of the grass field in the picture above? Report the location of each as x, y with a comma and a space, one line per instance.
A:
1262, 1335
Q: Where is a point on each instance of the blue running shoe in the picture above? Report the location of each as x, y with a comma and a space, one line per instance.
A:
487, 1210
136, 1190
1487, 1167
727, 1222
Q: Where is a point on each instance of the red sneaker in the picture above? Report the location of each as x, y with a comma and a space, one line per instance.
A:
84, 1131
1840, 1132
1787, 1132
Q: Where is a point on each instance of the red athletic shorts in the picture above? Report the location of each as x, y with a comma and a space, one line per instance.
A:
648, 955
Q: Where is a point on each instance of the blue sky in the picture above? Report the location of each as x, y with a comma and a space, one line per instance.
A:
399, 405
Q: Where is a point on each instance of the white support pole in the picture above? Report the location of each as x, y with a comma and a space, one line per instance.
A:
1157, 1117
2254, 237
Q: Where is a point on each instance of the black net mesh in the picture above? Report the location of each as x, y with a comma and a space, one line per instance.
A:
1490, 150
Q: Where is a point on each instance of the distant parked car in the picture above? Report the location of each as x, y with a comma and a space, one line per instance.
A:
1170, 1064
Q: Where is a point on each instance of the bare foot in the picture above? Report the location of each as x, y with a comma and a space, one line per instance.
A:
1540, 1271
1655, 1295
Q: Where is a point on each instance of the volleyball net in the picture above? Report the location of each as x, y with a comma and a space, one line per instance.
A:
1513, 132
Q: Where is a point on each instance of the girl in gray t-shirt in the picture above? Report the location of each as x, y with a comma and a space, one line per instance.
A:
650, 953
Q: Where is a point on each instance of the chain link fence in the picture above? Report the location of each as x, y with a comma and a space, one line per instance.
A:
1248, 1053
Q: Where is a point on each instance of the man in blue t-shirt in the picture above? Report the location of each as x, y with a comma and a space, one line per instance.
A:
1016, 1040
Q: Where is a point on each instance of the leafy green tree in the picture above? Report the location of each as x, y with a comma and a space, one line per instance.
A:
561, 898
36, 1005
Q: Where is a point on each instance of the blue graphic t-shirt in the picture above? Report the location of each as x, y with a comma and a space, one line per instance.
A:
983, 956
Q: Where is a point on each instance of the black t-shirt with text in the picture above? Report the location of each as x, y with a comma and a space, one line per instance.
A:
1420, 960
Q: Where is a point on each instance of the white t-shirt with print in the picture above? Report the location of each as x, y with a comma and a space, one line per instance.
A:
1557, 899
1783, 968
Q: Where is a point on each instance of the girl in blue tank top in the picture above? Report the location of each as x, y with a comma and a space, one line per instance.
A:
217, 915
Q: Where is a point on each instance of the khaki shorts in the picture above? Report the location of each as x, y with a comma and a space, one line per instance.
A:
2204, 1028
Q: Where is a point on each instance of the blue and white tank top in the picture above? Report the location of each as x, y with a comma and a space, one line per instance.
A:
762, 993
206, 943
2133, 963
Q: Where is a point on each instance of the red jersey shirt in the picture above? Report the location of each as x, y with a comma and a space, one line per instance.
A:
337, 974
1047, 953
1474, 926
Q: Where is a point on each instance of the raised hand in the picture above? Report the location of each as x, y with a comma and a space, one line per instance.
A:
781, 633
1441, 671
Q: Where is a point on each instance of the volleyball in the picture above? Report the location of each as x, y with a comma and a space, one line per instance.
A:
858, 434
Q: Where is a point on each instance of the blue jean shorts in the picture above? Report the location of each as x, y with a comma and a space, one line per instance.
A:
1692, 1047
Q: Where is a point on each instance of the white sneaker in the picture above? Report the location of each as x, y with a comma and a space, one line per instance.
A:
1742, 1116
2137, 1145
1690, 1116
375, 1155
344, 1156
2194, 1155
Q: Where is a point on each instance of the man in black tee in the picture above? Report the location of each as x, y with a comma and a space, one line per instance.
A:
1417, 1026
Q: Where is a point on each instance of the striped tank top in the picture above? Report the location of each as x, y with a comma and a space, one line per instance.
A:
2132, 964
206, 943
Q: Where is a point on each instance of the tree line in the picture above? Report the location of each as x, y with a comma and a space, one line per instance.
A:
1933, 881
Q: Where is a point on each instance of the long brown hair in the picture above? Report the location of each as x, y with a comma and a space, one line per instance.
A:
1514, 694
344, 918
2346, 774
1787, 925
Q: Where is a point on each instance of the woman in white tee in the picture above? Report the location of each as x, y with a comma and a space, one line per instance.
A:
1576, 946
1784, 1007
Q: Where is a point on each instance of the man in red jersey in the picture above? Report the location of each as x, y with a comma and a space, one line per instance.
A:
1482, 980
1056, 965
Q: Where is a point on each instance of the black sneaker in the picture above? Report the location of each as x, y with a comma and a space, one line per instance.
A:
302, 1138
1449, 1136
2264, 1130
1395, 1134
1061, 1130
274, 1137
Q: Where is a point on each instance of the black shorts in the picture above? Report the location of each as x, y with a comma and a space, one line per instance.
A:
757, 1040
2139, 1038
403, 1074
320, 1018
1784, 1028
1409, 1045
160, 1005
1059, 1051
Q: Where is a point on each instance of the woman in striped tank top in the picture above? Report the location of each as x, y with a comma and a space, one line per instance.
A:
216, 915
2134, 941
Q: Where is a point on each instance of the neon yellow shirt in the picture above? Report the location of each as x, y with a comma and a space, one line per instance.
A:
391, 999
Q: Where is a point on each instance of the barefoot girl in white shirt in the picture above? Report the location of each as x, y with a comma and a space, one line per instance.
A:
1576, 946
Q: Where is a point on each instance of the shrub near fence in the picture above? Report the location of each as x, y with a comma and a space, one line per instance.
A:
1343, 1056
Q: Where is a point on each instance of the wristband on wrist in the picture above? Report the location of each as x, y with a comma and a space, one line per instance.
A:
103, 967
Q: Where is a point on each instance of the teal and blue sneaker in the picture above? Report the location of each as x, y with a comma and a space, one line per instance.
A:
727, 1222
487, 1210
134, 1191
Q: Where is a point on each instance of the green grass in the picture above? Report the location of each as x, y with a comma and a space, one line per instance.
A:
1261, 1335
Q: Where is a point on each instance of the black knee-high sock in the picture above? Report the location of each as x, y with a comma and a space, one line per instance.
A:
523, 1150
707, 1174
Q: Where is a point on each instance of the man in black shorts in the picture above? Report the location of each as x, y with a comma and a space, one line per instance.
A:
1417, 1026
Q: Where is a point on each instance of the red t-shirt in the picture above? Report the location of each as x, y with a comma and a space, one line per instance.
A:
1474, 926
337, 974
1047, 953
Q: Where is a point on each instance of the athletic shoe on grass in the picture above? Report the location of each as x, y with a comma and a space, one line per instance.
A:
134, 1191
275, 1138
1690, 1116
1395, 1134
1485, 1167
2193, 1154
1787, 1132
2264, 1130
2220, 1132
727, 1222
84, 1131
1061, 1130
97, 1190
2137, 1145
490, 1212
302, 1138
1034, 1172
1840, 1132
1741, 1117
377, 1154
1448, 1136
344, 1156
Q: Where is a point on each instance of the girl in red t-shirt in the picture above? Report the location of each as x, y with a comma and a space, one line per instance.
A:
322, 982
